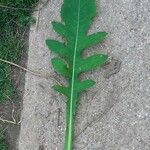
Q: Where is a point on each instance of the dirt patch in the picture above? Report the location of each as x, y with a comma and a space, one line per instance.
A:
11, 109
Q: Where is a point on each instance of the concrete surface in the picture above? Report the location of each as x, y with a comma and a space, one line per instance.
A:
118, 107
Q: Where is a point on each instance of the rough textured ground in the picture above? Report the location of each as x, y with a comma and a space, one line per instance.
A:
118, 107
13, 106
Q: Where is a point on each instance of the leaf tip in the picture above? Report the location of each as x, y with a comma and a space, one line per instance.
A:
92, 82
104, 34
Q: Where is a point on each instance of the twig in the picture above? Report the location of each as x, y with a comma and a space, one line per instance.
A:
25, 69
15, 8
13, 110
12, 113
43, 75
19, 122
7, 121
37, 22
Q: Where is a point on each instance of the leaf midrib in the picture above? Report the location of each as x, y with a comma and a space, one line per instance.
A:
73, 75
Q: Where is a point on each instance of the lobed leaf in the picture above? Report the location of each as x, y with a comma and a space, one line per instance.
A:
59, 28
92, 40
91, 62
61, 89
57, 47
60, 67
76, 18
84, 85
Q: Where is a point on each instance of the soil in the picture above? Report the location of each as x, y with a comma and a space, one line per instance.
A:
11, 131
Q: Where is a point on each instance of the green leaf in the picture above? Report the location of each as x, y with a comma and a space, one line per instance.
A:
84, 85
61, 89
91, 62
92, 40
59, 28
76, 18
96, 38
57, 47
60, 67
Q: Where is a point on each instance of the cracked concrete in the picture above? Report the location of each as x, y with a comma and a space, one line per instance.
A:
115, 114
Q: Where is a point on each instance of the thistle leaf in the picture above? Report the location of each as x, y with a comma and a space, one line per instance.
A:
91, 62
84, 85
60, 67
61, 89
96, 38
59, 28
76, 18
57, 47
